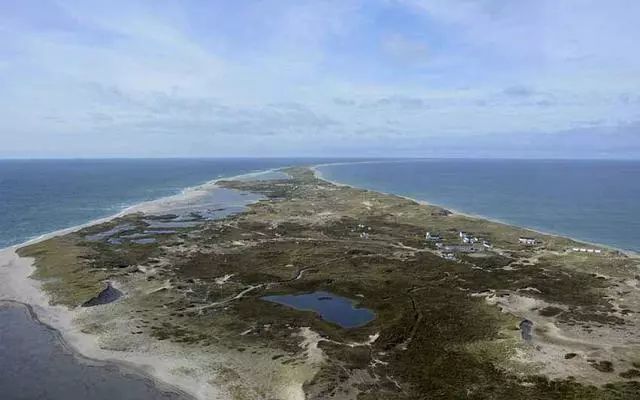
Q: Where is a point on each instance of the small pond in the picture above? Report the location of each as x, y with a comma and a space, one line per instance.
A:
144, 241
336, 309
153, 224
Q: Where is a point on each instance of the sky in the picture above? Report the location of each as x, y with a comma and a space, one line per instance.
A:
335, 78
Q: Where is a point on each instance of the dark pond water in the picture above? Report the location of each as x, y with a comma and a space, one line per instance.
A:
106, 296
35, 365
111, 232
144, 241
172, 224
336, 309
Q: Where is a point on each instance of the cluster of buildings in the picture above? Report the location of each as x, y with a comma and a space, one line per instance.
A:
469, 244
586, 250
468, 237
364, 234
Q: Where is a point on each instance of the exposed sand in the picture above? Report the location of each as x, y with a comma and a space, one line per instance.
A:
104, 334
552, 340
16, 285
190, 372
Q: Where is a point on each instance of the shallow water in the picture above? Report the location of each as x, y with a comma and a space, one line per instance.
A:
265, 176
209, 202
144, 241
336, 309
172, 224
42, 196
35, 365
111, 232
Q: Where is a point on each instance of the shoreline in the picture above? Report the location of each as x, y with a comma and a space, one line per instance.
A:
84, 346
17, 287
138, 207
320, 175
17, 284
122, 367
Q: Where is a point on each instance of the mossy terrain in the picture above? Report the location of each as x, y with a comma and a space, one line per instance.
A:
434, 336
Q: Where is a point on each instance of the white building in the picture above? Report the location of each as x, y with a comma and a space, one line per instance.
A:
468, 237
529, 241
586, 250
433, 236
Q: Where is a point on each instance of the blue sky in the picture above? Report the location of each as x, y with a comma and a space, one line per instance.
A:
421, 78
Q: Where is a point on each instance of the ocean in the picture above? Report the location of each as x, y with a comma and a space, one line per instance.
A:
41, 196
596, 201
591, 200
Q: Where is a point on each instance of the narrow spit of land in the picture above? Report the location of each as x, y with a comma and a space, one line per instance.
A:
496, 312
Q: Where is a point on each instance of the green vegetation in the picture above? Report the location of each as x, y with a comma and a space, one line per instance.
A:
437, 335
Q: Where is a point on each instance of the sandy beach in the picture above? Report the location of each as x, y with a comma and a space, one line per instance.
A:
17, 286
169, 366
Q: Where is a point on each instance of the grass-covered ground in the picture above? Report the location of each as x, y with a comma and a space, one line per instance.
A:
443, 329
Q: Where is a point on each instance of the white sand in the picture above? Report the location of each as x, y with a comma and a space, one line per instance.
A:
167, 364
16, 285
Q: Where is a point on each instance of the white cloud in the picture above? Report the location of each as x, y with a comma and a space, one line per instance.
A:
406, 50
332, 70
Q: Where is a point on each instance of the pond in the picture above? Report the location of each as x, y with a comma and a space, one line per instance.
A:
111, 232
336, 309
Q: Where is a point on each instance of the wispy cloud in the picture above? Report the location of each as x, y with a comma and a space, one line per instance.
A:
194, 75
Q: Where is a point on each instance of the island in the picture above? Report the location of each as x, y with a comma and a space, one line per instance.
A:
315, 290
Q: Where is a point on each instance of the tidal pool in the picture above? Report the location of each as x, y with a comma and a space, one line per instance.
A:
154, 224
336, 309
111, 232
264, 176
144, 240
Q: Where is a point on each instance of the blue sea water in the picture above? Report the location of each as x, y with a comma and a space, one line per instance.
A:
41, 196
596, 201
591, 200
